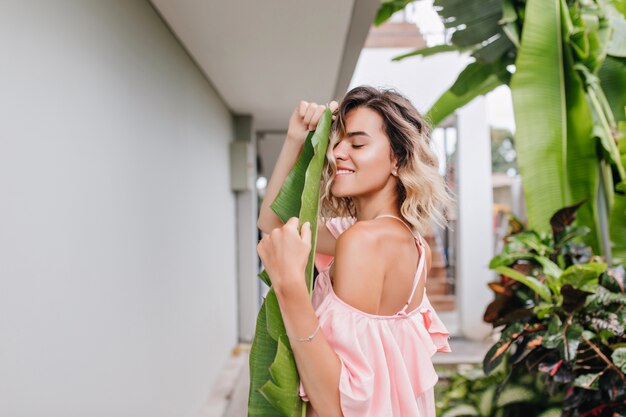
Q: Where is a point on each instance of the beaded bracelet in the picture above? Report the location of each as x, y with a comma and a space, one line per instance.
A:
308, 338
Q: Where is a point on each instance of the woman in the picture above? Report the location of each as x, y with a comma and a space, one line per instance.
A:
363, 344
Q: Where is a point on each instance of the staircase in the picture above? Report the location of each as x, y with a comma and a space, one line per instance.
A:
439, 286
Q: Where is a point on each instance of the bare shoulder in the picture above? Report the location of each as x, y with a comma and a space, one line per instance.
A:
359, 273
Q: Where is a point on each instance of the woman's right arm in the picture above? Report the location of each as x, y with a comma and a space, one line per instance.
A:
304, 119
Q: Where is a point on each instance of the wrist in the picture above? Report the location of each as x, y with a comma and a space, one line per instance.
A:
295, 140
293, 290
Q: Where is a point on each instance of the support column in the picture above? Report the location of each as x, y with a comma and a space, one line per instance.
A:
475, 225
244, 184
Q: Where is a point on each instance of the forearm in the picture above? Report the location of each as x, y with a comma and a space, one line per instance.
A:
318, 365
287, 158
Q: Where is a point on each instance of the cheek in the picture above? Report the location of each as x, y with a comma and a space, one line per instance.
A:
377, 162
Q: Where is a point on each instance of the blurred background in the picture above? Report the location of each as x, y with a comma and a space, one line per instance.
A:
136, 141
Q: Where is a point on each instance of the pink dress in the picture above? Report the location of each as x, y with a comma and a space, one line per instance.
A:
386, 366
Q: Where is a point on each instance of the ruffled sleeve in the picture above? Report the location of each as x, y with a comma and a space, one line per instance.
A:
438, 332
336, 226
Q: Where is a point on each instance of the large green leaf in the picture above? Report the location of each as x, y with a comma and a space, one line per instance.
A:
309, 211
509, 22
619, 358
515, 394
533, 283
287, 202
617, 219
474, 21
461, 410
581, 159
387, 9
552, 412
538, 91
273, 374
612, 76
475, 80
281, 394
480, 25
263, 347
497, 352
491, 52
432, 50
584, 276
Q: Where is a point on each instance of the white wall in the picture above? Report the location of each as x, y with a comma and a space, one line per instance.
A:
117, 224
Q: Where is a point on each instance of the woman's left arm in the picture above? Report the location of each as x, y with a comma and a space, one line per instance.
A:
285, 253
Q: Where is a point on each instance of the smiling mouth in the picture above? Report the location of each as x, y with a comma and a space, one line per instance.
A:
341, 172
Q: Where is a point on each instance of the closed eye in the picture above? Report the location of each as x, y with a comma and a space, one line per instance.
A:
357, 146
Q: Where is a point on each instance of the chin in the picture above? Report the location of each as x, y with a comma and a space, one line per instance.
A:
339, 193
342, 192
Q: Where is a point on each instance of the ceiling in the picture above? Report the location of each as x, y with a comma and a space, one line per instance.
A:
264, 56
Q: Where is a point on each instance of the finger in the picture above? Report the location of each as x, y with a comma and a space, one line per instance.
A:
310, 111
333, 105
302, 106
292, 223
305, 233
316, 117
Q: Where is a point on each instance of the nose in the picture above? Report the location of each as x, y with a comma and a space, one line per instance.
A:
341, 151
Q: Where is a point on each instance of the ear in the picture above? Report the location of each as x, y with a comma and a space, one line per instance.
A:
394, 166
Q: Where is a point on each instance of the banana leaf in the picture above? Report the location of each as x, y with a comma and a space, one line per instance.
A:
617, 219
538, 92
488, 27
612, 76
475, 80
388, 8
273, 374
432, 50
581, 159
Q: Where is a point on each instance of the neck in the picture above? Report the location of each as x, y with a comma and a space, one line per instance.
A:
380, 202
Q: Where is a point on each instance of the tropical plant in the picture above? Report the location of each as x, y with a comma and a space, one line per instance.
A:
565, 62
562, 314
469, 392
274, 378
503, 156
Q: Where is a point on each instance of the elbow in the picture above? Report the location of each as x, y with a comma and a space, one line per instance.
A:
266, 224
332, 413
263, 227
331, 408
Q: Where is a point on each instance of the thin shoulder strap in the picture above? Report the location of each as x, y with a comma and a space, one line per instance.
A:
420, 264
401, 221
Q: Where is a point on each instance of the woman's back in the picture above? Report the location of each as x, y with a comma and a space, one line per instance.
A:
391, 262
386, 358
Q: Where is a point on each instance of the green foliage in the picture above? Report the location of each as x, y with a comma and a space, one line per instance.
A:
565, 63
503, 155
388, 8
469, 392
563, 314
274, 378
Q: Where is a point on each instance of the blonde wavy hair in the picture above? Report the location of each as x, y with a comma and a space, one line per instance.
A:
422, 192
